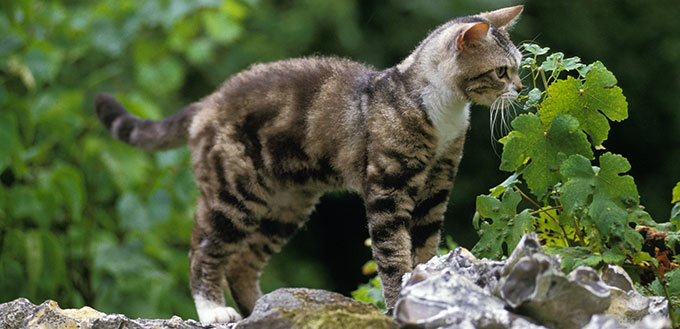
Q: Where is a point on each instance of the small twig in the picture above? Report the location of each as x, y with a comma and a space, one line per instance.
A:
546, 210
528, 198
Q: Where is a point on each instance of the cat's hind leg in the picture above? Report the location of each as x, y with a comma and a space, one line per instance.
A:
225, 220
287, 212
210, 251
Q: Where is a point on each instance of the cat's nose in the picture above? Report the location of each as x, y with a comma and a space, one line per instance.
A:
518, 87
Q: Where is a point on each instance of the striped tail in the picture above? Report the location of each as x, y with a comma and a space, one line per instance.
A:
145, 134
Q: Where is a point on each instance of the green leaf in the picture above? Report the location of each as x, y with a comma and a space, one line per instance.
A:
69, 183
552, 62
573, 257
133, 213
371, 293
606, 183
676, 194
129, 167
551, 227
571, 63
221, 27
673, 279
34, 259
159, 206
8, 136
535, 49
161, 76
545, 148
675, 212
591, 103
500, 225
534, 97
506, 184
604, 195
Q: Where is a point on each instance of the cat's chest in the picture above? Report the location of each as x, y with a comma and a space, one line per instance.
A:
450, 122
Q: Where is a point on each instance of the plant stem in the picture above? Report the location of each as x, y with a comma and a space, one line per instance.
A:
664, 285
527, 197
579, 234
545, 81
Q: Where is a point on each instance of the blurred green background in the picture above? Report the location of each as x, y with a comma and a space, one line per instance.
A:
88, 220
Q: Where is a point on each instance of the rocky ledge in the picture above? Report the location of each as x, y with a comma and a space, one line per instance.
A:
456, 290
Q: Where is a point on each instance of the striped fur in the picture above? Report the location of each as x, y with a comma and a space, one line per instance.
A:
272, 139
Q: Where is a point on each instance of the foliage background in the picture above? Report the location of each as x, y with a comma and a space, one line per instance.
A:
87, 220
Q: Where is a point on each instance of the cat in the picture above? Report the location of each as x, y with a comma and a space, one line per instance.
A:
272, 139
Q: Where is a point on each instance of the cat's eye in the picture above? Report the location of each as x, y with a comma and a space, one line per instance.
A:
501, 71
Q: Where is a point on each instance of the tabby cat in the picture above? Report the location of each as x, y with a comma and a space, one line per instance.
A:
272, 139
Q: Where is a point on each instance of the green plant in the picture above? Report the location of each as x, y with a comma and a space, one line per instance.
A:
584, 207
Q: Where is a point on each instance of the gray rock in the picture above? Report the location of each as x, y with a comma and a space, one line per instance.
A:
310, 308
457, 295
528, 290
628, 306
21, 314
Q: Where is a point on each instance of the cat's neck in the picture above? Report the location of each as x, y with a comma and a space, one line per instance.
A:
448, 111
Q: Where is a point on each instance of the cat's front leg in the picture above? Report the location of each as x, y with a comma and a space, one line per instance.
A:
388, 221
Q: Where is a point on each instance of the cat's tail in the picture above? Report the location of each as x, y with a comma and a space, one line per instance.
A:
145, 134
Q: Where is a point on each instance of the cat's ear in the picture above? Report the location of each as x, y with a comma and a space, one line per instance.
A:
471, 33
503, 18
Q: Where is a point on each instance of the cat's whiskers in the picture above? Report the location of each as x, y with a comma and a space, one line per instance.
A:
505, 109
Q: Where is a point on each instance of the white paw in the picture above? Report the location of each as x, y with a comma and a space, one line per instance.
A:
211, 312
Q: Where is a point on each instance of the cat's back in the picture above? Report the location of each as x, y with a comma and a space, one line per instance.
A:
298, 115
294, 84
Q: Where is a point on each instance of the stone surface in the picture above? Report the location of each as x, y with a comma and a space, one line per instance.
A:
311, 308
528, 290
21, 314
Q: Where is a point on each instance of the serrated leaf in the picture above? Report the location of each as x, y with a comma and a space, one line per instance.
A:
591, 103
604, 195
585, 181
546, 148
500, 224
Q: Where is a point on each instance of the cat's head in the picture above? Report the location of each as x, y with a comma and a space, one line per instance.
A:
473, 57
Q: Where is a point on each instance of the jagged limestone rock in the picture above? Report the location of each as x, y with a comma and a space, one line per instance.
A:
455, 291
629, 306
528, 290
22, 314
312, 308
